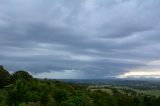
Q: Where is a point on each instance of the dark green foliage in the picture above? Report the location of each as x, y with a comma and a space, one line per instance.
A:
60, 95
137, 101
21, 75
47, 100
3, 96
78, 100
4, 77
101, 98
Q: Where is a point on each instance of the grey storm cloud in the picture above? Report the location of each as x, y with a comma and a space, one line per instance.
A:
92, 38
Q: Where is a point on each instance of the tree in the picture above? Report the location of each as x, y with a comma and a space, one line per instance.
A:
101, 98
60, 95
48, 100
78, 100
4, 77
21, 75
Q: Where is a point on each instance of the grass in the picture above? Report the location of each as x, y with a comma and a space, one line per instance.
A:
108, 89
102, 88
154, 92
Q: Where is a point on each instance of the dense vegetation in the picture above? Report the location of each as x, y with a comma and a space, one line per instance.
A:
21, 89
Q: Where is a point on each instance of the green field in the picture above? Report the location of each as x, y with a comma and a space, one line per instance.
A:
154, 92
108, 89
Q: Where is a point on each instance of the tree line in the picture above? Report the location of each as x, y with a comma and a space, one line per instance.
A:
21, 89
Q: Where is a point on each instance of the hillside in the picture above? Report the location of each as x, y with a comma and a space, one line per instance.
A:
22, 89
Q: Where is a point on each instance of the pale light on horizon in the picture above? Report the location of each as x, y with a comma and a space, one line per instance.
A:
140, 74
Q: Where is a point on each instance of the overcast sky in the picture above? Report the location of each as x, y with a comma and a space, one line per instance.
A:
81, 38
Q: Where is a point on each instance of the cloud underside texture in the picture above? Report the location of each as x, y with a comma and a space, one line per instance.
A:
80, 38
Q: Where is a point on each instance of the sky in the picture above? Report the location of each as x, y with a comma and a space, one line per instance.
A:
81, 39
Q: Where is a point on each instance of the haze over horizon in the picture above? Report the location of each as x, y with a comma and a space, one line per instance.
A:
81, 38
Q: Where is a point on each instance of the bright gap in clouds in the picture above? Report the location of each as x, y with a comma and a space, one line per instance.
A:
140, 74
151, 70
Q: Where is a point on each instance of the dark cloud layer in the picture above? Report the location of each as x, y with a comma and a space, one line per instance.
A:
89, 38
